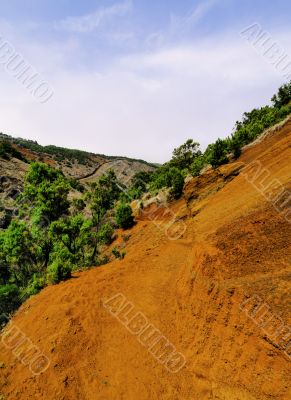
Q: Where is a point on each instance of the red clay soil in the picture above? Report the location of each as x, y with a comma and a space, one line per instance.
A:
33, 156
220, 294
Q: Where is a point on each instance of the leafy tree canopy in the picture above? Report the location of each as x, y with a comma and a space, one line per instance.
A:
184, 155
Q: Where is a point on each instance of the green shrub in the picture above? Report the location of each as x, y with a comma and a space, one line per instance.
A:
46, 192
197, 165
123, 216
76, 185
133, 193
105, 234
35, 285
256, 121
168, 176
17, 250
58, 271
235, 148
218, 153
177, 182
78, 205
283, 96
139, 185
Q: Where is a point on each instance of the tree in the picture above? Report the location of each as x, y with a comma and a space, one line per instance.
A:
105, 234
45, 194
40, 172
235, 147
197, 165
18, 250
72, 237
58, 271
103, 196
123, 216
184, 155
50, 236
78, 205
109, 189
218, 153
176, 182
168, 176
283, 97
140, 180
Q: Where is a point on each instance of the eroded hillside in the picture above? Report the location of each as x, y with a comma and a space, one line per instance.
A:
207, 278
77, 165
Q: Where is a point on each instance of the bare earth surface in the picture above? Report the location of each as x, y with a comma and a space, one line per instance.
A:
199, 291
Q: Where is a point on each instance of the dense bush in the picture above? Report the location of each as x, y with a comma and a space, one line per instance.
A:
235, 147
76, 185
58, 271
176, 182
139, 184
103, 196
123, 216
37, 283
72, 238
105, 234
253, 123
197, 165
18, 251
218, 153
50, 236
168, 176
78, 205
46, 193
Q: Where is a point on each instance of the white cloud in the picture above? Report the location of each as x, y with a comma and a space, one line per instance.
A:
200, 11
180, 25
91, 22
144, 104
183, 23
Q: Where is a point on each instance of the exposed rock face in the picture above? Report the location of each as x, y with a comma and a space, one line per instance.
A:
124, 170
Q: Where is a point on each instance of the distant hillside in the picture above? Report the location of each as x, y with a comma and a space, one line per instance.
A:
62, 153
17, 153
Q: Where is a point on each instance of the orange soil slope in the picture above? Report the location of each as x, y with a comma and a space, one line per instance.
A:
199, 291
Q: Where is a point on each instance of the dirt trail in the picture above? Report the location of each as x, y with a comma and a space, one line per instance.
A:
124, 170
235, 246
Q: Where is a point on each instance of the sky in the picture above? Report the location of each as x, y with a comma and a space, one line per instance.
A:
138, 78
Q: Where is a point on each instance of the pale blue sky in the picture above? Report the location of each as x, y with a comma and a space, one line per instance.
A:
138, 77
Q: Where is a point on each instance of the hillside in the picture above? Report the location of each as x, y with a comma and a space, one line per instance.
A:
75, 164
211, 273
